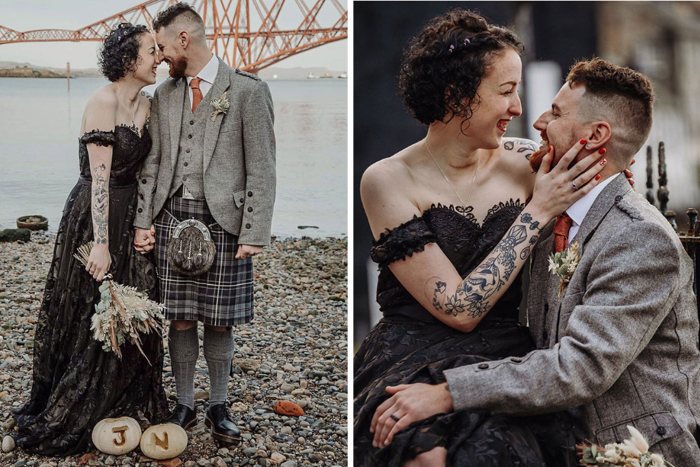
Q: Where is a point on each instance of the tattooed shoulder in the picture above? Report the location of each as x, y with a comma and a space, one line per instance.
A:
521, 146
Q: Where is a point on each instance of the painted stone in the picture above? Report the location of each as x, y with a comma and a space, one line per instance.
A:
116, 436
164, 441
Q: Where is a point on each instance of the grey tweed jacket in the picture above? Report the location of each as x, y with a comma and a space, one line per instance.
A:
239, 155
621, 344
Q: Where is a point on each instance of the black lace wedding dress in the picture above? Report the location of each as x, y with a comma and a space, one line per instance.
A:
409, 345
75, 382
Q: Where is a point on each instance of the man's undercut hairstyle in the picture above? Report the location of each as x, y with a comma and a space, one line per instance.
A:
184, 17
618, 95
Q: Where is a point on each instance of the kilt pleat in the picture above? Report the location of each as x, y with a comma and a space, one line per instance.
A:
222, 296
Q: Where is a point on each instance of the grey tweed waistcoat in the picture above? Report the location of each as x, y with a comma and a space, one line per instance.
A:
190, 158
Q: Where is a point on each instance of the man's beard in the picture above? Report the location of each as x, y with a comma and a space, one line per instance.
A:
177, 67
536, 158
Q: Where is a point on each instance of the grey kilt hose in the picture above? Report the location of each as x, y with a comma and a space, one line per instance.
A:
223, 296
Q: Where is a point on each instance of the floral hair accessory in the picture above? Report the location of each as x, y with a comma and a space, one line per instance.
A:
467, 41
452, 47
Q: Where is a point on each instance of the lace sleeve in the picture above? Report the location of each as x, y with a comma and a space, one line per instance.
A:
404, 240
99, 137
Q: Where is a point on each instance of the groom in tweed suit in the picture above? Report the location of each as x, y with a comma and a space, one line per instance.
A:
621, 342
217, 165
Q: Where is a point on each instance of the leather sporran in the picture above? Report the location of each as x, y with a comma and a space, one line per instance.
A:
190, 250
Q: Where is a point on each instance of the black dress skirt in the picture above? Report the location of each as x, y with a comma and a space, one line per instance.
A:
76, 383
409, 345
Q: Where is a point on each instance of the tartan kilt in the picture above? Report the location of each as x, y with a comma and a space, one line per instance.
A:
222, 296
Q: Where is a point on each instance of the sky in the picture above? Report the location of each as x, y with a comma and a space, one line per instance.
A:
26, 15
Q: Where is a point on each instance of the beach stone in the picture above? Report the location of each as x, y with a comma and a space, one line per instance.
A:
176, 462
15, 235
288, 408
8, 444
248, 364
289, 464
277, 458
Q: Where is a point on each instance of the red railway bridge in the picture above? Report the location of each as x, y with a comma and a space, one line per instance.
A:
246, 34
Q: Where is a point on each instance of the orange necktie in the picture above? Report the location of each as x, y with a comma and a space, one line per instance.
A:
561, 232
196, 93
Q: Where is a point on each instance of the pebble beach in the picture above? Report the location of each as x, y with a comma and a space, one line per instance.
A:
296, 349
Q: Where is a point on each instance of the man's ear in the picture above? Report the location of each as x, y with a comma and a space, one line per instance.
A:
184, 39
599, 136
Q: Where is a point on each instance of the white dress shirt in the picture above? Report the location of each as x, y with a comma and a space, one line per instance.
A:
207, 74
580, 208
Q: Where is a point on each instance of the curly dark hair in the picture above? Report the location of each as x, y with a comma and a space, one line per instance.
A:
119, 53
167, 16
443, 66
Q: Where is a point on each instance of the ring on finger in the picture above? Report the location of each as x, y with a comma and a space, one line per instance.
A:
573, 184
394, 417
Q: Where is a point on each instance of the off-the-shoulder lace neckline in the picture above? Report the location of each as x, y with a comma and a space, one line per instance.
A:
464, 211
134, 129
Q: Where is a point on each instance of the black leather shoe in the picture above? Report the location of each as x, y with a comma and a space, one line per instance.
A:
222, 427
183, 416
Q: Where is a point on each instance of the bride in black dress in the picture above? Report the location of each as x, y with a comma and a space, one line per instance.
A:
452, 231
76, 383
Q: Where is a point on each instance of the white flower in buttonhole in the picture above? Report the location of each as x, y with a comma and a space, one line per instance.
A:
564, 264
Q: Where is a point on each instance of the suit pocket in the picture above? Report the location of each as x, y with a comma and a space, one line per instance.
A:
239, 198
654, 427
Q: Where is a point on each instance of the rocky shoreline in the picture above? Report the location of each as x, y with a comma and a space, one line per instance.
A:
295, 349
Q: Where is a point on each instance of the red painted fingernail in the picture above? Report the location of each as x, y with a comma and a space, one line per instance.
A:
602, 151
597, 177
583, 141
550, 149
603, 162
633, 161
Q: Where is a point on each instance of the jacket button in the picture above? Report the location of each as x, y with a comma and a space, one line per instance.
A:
189, 136
661, 430
483, 366
185, 164
187, 151
191, 122
250, 193
140, 210
184, 179
241, 200
516, 360
250, 209
144, 181
247, 226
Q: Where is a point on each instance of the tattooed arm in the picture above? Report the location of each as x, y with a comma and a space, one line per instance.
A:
429, 275
100, 114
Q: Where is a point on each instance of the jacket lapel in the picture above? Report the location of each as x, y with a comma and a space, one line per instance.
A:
600, 208
175, 118
211, 131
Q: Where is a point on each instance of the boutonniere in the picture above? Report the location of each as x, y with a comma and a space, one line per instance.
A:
564, 264
221, 106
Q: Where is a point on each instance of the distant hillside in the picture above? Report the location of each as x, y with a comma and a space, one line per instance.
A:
16, 69
29, 70
297, 72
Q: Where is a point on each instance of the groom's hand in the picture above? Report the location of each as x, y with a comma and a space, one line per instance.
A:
144, 240
246, 251
410, 403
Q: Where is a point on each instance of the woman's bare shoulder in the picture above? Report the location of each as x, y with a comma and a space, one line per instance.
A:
391, 171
